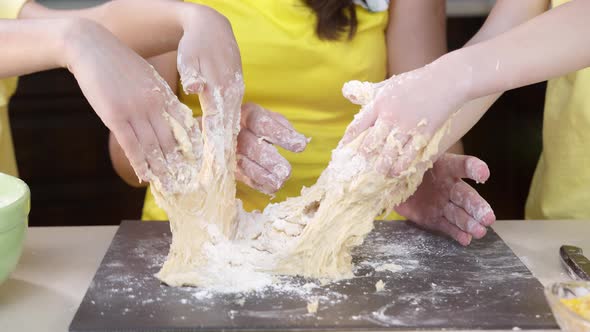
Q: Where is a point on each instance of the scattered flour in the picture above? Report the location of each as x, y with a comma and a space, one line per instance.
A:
388, 267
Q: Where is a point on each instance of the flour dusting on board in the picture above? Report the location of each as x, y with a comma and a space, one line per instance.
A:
437, 279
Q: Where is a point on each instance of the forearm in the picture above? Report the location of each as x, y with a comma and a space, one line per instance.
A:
417, 39
505, 15
148, 27
547, 46
416, 34
34, 45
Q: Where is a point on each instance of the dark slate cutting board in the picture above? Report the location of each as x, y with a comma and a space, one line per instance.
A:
441, 285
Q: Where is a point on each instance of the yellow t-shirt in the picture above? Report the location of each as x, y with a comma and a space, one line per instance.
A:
9, 9
561, 184
289, 70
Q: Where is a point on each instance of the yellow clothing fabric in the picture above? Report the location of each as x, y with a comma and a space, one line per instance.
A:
561, 184
289, 70
9, 9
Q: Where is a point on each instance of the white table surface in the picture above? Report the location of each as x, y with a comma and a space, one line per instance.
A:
58, 264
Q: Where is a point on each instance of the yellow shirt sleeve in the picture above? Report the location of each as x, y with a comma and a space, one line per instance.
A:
559, 189
9, 9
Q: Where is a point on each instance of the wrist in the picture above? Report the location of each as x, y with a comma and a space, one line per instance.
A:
191, 15
61, 42
75, 35
186, 14
457, 75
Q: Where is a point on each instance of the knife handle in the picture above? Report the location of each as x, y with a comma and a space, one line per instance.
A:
575, 261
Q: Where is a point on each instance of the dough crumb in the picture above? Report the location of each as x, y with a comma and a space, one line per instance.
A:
312, 306
379, 286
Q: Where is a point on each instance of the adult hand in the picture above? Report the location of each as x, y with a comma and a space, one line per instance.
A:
260, 165
445, 203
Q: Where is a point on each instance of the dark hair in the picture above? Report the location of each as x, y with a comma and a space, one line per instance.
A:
334, 17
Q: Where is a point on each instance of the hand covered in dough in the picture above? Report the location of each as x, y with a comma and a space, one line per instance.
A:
127, 94
97, 45
407, 109
210, 61
260, 165
208, 54
445, 203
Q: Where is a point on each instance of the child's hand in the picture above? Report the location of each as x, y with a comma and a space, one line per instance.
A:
445, 203
408, 109
260, 165
127, 94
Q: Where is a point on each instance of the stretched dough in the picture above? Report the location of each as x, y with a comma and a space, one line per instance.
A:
215, 243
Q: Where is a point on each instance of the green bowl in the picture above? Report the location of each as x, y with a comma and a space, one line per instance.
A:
15, 204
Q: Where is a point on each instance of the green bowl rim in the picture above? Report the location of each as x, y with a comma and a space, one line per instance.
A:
26, 196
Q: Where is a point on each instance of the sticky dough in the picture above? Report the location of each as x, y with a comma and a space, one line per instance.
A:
216, 244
